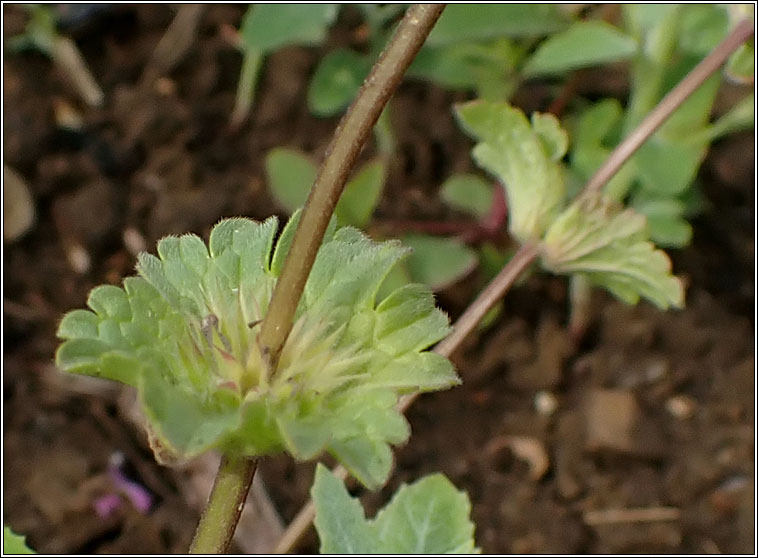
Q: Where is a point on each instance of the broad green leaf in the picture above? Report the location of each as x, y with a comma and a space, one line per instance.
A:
669, 232
596, 122
79, 323
469, 193
510, 149
336, 81
397, 277
740, 117
258, 433
667, 167
151, 268
305, 438
109, 300
594, 134
488, 68
554, 138
665, 220
587, 43
470, 22
194, 253
180, 420
340, 519
438, 262
371, 412
449, 66
361, 194
82, 354
610, 247
642, 18
429, 516
741, 64
418, 372
268, 27
253, 245
290, 175
15, 544
702, 28
368, 460
407, 320
694, 112
357, 269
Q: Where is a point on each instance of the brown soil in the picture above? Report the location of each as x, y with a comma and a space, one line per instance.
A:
652, 411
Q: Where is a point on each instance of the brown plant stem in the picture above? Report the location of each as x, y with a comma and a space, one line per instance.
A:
493, 292
342, 153
668, 105
222, 512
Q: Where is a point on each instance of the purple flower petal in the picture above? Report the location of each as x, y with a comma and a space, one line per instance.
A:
137, 494
107, 504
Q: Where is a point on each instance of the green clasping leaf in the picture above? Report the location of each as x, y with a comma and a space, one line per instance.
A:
184, 334
611, 248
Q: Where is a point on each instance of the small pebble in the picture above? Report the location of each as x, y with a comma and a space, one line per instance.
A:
18, 205
78, 258
165, 86
133, 241
681, 406
545, 403
66, 116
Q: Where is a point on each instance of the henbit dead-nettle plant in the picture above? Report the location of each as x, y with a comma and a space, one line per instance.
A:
255, 347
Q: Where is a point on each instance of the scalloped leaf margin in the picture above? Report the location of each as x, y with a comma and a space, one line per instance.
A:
184, 334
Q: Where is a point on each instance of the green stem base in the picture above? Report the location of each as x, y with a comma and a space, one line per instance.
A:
222, 512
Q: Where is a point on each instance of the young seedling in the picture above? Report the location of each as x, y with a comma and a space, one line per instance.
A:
41, 34
269, 27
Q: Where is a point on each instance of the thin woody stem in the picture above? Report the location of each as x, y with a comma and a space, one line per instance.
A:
487, 298
348, 141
